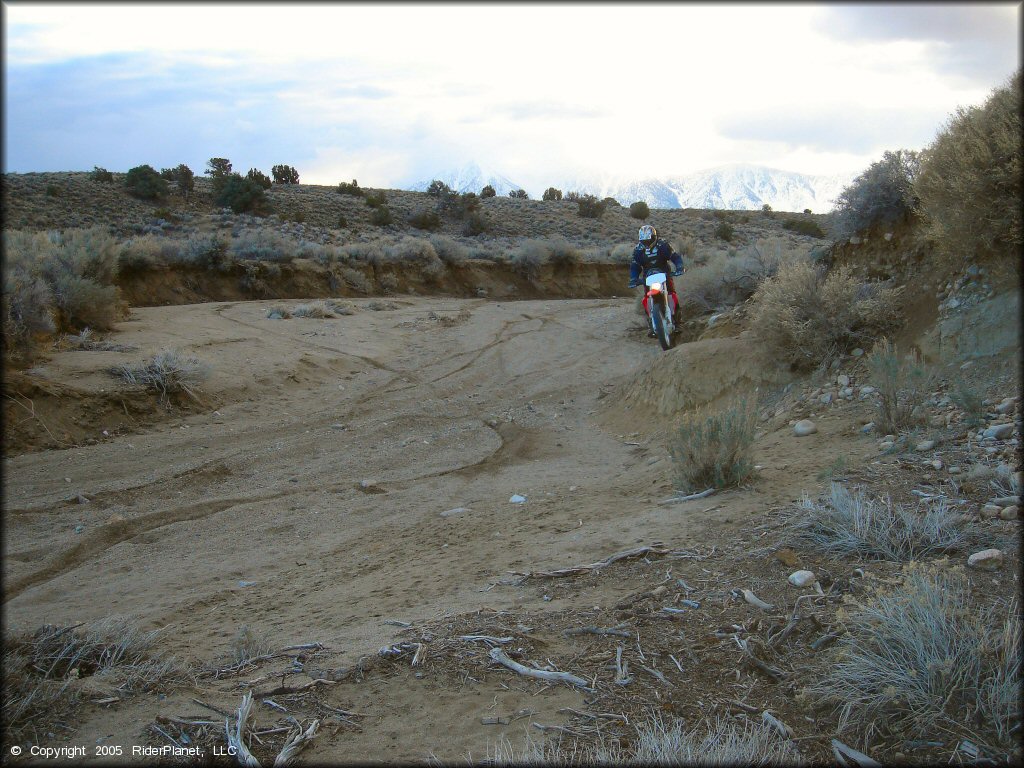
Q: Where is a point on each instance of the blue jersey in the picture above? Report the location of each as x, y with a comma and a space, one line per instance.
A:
657, 258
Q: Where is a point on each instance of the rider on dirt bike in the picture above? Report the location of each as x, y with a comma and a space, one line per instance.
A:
654, 255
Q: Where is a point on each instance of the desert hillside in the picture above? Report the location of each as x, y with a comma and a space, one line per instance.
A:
427, 491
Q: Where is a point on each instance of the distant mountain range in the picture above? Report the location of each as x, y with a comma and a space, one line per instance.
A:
732, 187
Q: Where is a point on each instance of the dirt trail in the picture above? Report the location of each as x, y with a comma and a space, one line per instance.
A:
308, 504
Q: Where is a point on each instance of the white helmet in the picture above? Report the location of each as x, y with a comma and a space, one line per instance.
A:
647, 235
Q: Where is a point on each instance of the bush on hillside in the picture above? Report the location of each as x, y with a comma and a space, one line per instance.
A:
590, 207
806, 316
219, 171
438, 188
375, 199
284, 174
416, 255
969, 183
519, 194
144, 182
427, 220
807, 227
344, 188
488, 191
241, 195
258, 177
475, 224
724, 231
639, 210
101, 174
381, 216
552, 194
572, 197
611, 202
883, 194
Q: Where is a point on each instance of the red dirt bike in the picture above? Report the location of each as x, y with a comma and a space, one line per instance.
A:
660, 307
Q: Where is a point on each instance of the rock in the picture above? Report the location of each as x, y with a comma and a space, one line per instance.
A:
867, 390
369, 486
858, 352
802, 578
1005, 501
1009, 513
989, 511
868, 428
999, 431
987, 558
1005, 407
954, 470
843, 380
937, 463
787, 556
804, 427
826, 398
847, 392
115, 519
517, 499
456, 511
79, 528
926, 445
82, 499
885, 445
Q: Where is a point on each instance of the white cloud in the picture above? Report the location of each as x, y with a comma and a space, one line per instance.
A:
533, 91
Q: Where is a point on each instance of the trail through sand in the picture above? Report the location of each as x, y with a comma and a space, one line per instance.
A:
309, 503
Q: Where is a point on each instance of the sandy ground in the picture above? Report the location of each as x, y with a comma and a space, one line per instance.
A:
308, 504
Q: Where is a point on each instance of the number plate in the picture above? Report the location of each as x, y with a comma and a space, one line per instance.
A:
657, 277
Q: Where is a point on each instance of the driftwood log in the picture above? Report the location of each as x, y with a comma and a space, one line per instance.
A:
498, 655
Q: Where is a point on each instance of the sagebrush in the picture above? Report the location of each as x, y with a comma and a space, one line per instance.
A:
712, 448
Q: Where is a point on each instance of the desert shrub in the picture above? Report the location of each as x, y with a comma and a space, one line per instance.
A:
712, 449
969, 182
488, 191
344, 188
263, 243
767, 209
806, 316
458, 206
639, 210
853, 524
589, 207
52, 190
381, 216
284, 174
448, 250
278, 312
966, 398
101, 175
803, 227
316, 309
206, 250
519, 194
902, 382
528, 258
356, 280
27, 307
167, 372
342, 222
241, 195
375, 199
79, 268
182, 177
258, 177
883, 194
144, 182
926, 658
474, 224
724, 231
438, 188
572, 197
611, 202
728, 278
39, 675
417, 254
427, 220
552, 194
146, 252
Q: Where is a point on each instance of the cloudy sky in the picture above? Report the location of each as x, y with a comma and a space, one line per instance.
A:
392, 94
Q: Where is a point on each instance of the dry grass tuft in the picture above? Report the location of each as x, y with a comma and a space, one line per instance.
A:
167, 372
903, 383
712, 449
851, 523
926, 659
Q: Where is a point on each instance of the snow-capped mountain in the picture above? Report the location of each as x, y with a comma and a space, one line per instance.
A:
734, 187
470, 178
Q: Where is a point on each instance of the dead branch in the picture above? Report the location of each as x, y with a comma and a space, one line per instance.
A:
640, 596
778, 725
754, 600
562, 677
777, 675
417, 658
691, 497
212, 708
655, 673
236, 738
296, 742
654, 549
848, 756
825, 640
590, 630
621, 670
285, 689
32, 414
489, 639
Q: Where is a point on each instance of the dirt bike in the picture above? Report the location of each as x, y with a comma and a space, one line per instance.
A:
656, 304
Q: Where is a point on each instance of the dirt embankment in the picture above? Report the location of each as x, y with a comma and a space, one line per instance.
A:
305, 279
